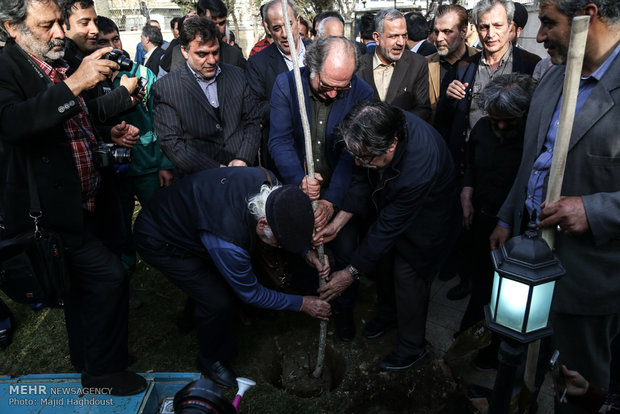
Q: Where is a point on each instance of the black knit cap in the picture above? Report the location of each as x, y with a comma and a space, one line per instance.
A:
521, 15
289, 214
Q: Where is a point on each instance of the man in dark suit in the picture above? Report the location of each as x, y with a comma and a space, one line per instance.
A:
399, 77
44, 128
331, 89
204, 117
586, 312
418, 31
411, 183
266, 65
151, 40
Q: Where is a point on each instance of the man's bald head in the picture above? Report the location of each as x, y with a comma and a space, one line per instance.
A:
331, 26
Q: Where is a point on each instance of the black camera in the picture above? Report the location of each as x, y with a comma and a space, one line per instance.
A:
201, 397
118, 57
105, 155
142, 82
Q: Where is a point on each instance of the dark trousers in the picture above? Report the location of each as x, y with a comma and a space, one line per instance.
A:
143, 187
201, 281
480, 268
412, 295
96, 312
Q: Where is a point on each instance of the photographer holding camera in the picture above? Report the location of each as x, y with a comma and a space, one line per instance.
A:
104, 103
44, 129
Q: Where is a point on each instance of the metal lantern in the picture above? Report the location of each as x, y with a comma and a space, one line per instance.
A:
525, 274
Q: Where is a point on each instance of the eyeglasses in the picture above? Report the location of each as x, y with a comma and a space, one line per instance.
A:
327, 88
365, 160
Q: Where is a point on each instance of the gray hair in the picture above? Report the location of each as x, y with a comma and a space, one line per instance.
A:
153, 34
608, 10
320, 31
483, 6
508, 95
15, 11
370, 128
277, 3
317, 52
257, 203
390, 15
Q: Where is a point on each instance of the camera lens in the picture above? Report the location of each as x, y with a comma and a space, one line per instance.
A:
201, 397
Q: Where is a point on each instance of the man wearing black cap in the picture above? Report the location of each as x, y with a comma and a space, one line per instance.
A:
200, 232
518, 22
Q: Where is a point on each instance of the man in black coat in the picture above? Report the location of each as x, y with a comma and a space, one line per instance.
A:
204, 117
151, 41
205, 248
409, 187
398, 77
265, 66
43, 122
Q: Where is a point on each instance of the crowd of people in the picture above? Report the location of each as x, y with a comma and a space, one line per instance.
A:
431, 145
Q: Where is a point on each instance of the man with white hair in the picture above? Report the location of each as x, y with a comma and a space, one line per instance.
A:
201, 231
330, 26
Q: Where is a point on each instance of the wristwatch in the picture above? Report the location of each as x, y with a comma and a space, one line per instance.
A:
354, 272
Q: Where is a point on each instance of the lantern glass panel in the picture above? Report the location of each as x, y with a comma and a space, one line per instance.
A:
496, 279
541, 304
512, 304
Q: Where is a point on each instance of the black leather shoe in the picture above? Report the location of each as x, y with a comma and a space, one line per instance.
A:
345, 327
397, 362
378, 327
219, 373
119, 383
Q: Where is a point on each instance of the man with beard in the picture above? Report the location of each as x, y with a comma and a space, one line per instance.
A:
450, 30
44, 128
81, 40
398, 76
331, 89
585, 315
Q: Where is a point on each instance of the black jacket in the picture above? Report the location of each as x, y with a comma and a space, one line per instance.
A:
215, 201
415, 201
32, 113
154, 60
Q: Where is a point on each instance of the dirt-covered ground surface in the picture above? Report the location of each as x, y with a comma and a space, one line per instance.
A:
276, 349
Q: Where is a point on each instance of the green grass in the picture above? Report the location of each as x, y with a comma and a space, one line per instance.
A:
40, 346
